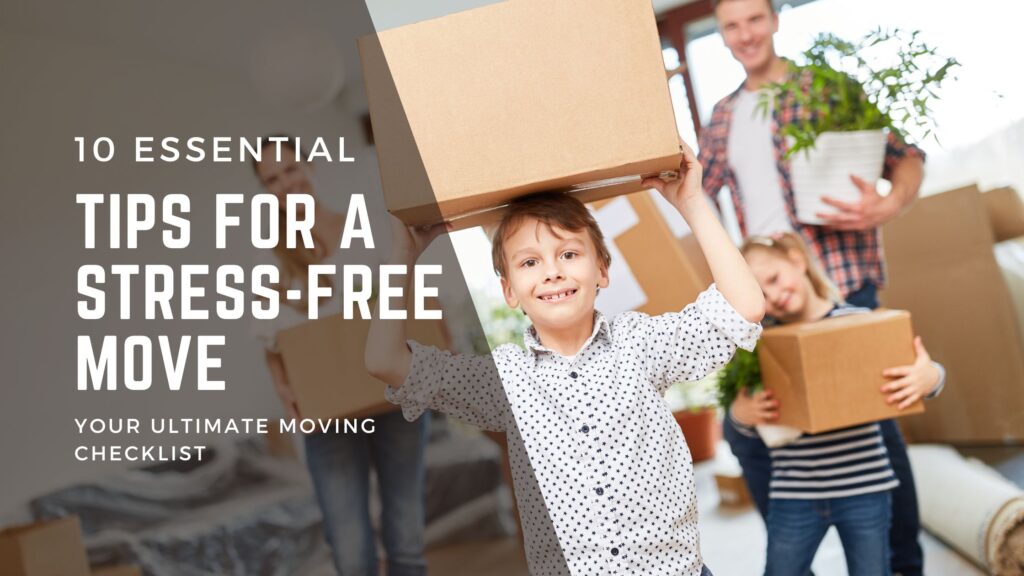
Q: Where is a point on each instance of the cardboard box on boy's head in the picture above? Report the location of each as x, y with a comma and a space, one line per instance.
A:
479, 107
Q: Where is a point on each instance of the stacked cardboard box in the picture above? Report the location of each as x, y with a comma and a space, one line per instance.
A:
122, 570
732, 490
942, 269
1005, 212
477, 108
51, 548
828, 375
668, 274
47, 548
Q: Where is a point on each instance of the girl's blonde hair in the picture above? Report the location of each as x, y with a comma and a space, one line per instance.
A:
786, 243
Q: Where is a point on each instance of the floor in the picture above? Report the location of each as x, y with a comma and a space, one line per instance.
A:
723, 527
725, 532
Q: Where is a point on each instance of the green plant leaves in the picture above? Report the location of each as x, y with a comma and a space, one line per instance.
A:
887, 80
743, 372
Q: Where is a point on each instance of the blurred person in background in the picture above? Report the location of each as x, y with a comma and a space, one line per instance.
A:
340, 463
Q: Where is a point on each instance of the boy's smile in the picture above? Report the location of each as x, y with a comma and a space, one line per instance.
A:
554, 274
557, 296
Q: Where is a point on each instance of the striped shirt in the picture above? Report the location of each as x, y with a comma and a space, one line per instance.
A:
834, 464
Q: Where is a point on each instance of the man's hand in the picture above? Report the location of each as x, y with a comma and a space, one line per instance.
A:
872, 211
407, 242
686, 189
752, 409
911, 382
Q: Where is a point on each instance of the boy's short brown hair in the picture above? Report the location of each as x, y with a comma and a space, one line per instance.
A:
553, 209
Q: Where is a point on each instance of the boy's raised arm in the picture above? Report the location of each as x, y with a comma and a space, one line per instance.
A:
387, 355
466, 387
732, 275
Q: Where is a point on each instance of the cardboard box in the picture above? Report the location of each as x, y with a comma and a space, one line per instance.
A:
281, 444
1005, 213
652, 271
476, 108
827, 375
942, 269
699, 269
324, 362
48, 548
732, 490
123, 570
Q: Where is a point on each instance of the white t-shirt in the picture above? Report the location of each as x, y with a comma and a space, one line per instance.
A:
752, 160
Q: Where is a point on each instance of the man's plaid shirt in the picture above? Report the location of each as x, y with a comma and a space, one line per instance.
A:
851, 258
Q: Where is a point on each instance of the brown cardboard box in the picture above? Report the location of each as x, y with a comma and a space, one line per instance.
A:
123, 570
324, 362
1005, 213
671, 273
732, 490
828, 375
942, 269
280, 444
48, 548
479, 107
695, 256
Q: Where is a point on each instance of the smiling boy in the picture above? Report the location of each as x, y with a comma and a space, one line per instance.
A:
602, 473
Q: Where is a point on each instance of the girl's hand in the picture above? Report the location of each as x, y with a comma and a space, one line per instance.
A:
408, 242
911, 382
752, 409
683, 191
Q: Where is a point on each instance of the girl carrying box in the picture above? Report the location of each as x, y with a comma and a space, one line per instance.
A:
840, 478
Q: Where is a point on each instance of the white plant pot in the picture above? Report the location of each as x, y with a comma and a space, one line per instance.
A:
826, 170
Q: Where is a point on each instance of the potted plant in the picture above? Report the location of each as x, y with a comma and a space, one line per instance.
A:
742, 375
853, 95
693, 404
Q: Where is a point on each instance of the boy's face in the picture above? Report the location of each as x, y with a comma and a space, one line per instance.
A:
747, 28
553, 274
784, 283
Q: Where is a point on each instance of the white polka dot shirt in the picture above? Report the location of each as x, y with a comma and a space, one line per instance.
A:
602, 474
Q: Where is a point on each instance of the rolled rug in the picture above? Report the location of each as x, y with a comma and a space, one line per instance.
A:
971, 507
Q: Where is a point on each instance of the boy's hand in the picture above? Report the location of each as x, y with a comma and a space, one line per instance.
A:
752, 409
686, 189
912, 382
407, 242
